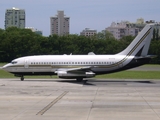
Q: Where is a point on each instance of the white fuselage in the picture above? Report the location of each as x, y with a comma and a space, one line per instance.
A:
51, 63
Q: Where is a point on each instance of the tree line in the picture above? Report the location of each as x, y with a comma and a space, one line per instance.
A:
15, 42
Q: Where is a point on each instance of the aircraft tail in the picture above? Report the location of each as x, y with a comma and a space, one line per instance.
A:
140, 45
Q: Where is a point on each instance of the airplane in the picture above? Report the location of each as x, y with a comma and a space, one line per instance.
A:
85, 66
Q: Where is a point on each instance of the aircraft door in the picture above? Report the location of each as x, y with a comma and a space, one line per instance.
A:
26, 63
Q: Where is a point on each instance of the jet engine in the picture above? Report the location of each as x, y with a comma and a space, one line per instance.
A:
77, 74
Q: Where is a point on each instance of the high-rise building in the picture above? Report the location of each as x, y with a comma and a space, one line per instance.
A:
15, 17
59, 24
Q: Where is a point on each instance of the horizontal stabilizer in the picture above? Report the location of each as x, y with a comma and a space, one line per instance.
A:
148, 56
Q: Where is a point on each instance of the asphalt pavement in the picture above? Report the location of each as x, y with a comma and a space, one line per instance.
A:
92, 99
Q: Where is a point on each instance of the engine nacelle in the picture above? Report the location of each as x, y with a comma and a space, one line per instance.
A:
69, 75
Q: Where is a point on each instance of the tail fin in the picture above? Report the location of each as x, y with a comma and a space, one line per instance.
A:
140, 45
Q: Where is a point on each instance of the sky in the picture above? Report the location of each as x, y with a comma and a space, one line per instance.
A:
94, 14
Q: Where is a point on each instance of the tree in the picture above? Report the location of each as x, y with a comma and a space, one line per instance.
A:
157, 34
154, 34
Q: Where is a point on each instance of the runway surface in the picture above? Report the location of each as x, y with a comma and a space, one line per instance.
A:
92, 99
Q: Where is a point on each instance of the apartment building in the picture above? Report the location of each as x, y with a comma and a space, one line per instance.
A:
88, 32
123, 28
59, 24
15, 17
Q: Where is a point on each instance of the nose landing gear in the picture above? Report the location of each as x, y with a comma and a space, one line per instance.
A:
22, 78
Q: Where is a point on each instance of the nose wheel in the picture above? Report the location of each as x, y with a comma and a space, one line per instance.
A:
22, 78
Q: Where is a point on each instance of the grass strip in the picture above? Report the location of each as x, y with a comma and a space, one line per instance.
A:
132, 75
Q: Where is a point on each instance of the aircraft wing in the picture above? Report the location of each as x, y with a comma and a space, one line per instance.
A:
83, 72
82, 69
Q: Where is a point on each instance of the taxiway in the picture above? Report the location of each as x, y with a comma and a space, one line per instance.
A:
92, 99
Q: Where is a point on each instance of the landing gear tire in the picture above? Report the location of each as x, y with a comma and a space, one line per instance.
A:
22, 78
79, 79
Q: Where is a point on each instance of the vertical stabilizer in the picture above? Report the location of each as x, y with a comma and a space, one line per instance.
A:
140, 45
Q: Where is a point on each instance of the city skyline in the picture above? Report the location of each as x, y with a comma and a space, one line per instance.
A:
97, 14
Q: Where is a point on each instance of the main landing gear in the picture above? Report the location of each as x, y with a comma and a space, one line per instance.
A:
79, 79
22, 78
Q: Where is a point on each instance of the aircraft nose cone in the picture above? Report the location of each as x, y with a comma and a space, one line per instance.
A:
5, 67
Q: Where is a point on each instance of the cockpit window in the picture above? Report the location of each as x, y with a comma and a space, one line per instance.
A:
14, 62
